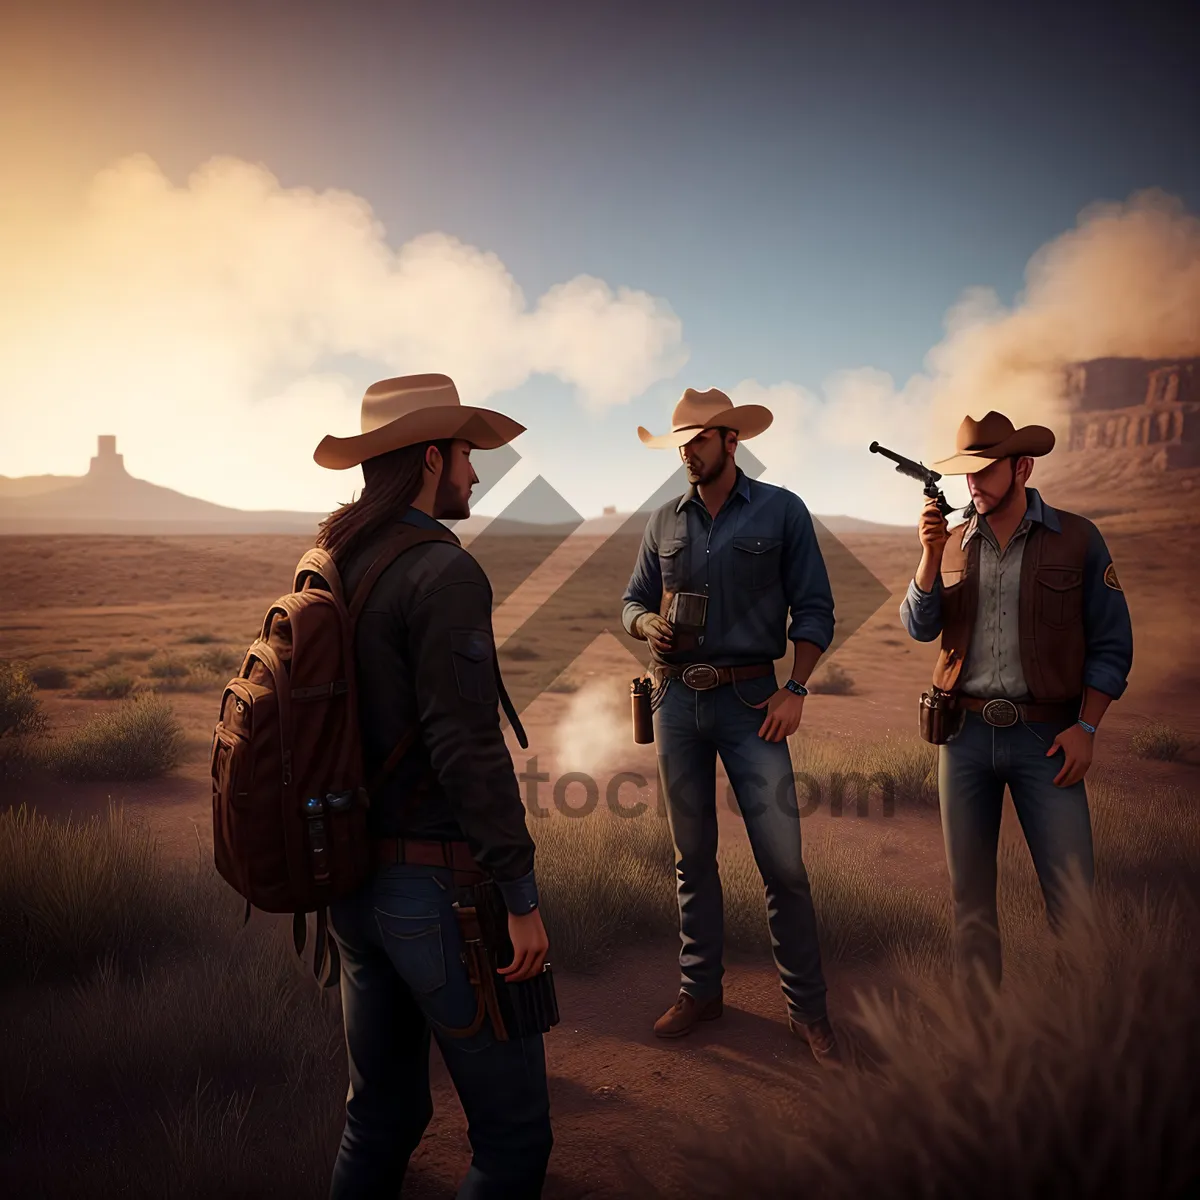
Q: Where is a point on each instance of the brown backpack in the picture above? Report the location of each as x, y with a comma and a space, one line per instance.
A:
289, 796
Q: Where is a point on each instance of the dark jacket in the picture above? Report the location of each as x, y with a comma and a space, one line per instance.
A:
425, 653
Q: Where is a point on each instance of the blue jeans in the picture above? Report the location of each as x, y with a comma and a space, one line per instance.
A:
401, 970
973, 769
690, 729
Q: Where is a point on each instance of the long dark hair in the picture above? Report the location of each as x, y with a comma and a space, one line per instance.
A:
391, 482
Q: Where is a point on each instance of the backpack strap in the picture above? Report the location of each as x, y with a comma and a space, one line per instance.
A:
392, 549
404, 540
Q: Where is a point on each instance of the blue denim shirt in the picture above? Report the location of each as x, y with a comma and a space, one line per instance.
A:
1108, 631
755, 561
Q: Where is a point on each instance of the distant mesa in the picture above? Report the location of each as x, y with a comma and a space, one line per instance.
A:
1147, 410
110, 500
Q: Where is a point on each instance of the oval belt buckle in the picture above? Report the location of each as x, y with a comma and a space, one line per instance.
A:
1000, 712
700, 677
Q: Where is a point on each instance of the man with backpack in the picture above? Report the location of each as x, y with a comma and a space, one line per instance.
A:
446, 814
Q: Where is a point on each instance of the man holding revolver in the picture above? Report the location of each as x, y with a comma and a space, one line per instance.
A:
1036, 642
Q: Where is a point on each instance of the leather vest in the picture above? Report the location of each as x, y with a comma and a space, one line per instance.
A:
1050, 616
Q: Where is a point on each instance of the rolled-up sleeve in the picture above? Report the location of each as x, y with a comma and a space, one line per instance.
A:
921, 611
644, 593
451, 643
805, 579
1108, 631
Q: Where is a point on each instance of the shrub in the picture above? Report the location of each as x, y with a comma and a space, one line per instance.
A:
20, 709
164, 666
140, 740
833, 681
219, 660
201, 639
108, 684
50, 678
1157, 740
198, 679
21, 719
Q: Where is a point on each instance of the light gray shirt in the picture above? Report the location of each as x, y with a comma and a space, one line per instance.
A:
993, 664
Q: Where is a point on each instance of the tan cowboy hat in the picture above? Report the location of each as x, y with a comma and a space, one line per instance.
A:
981, 442
412, 409
707, 410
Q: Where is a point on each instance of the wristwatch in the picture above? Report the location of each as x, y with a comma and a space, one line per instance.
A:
798, 688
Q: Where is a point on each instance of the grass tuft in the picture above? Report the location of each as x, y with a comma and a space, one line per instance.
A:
111, 683
141, 739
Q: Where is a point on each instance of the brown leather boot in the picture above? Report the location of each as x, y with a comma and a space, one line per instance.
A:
682, 1016
821, 1039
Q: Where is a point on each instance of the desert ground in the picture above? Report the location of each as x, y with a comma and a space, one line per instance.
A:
142, 613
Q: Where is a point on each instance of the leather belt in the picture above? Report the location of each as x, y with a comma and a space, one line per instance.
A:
1003, 713
455, 856
702, 677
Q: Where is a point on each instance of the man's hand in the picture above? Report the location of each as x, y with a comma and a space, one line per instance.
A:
784, 710
530, 945
656, 630
933, 528
1076, 744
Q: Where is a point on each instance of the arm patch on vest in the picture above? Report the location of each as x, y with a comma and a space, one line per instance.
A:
1110, 577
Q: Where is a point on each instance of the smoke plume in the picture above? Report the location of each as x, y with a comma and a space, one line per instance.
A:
1124, 282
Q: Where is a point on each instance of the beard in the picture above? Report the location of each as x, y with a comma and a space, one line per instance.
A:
451, 502
701, 474
991, 508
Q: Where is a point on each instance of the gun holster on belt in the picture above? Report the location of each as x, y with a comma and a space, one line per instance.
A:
941, 716
515, 1010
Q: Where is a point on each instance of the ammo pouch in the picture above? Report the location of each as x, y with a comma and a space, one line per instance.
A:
516, 1010
941, 716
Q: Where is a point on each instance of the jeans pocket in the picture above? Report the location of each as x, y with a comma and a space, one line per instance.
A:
752, 692
658, 695
413, 943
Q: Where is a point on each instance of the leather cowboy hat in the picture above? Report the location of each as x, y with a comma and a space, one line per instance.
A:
981, 442
697, 411
412, 409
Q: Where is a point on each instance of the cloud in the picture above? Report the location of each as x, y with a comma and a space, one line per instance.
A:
1124, 282
222, 327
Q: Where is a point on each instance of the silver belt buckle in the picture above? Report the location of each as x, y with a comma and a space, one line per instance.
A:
1001, 713
700, 677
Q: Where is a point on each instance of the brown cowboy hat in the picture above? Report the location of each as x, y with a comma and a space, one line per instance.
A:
412, 409
697, 411
981, 442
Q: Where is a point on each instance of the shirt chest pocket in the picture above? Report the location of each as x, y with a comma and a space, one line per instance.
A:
672, 564
756, 561
1059, 596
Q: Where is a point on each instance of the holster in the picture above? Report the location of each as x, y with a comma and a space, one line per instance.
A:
941, 716
516, 1010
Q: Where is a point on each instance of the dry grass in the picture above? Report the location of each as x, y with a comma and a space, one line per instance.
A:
182, 1055
138, 985
881, 776
140, 739
1081, 1080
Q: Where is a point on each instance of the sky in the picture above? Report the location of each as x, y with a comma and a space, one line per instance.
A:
220, 223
